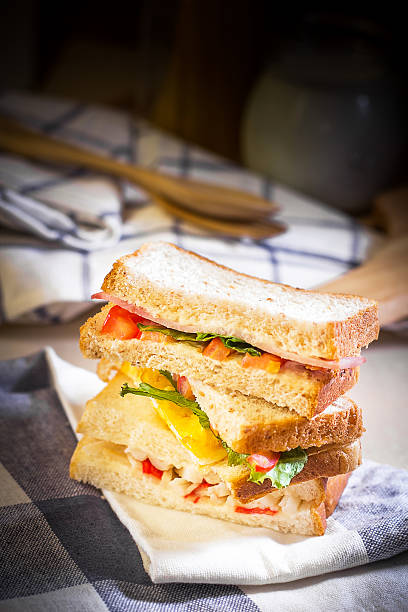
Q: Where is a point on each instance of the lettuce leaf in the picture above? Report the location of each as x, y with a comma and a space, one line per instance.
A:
147, 390
169, 377
290, 463
230, 342
234, 458
177, 335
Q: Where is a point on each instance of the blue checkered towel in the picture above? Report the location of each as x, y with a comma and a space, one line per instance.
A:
62, 547
56, 219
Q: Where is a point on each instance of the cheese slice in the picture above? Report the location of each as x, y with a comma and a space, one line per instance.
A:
202, 444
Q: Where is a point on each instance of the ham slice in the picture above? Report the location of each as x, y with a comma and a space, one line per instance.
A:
140, 311
339, 364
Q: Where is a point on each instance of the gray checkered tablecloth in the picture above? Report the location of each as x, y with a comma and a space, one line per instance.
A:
62, 547
54, 219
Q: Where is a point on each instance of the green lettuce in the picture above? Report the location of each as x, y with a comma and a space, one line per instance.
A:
290, 463
234, 458
147, 390
230, 342
169, 377
177, 335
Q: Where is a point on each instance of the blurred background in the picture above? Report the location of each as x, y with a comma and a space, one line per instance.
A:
314, 99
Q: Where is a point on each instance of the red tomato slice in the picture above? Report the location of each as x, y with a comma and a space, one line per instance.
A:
183, 387
243, 510
266, 361
263, 463
122, 324
148, 468
216, 350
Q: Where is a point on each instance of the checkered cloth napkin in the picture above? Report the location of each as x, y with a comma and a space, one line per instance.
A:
54, 219
63, 548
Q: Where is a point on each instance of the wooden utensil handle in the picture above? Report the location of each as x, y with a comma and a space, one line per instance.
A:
25, 142
204, 198
256, 230
384, 277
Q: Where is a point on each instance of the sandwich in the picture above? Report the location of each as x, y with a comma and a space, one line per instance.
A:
225, 393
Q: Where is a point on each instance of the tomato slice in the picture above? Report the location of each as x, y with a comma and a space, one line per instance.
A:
122, 324
148, 468
266, 361
183, 387
263, 463
243, 510
216, 350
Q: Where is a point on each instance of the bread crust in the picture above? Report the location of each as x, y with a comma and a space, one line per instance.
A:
319, 519
251, 322
339, 383
334, 490
307, 392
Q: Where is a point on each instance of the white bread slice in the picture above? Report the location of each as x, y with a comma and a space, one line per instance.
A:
193, 293
305, 391
300, 508
247, 424
132, 421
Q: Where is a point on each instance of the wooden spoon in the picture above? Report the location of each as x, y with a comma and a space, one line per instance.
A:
202, 198
258, 230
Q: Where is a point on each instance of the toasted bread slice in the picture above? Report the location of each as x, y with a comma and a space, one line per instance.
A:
187, 292
251, 425
306, 392
298, 509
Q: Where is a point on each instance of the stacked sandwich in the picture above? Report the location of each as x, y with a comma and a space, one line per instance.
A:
225, 392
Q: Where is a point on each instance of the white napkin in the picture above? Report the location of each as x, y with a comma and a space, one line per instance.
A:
182, 547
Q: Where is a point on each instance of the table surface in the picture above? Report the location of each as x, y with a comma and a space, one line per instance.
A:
382, 390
